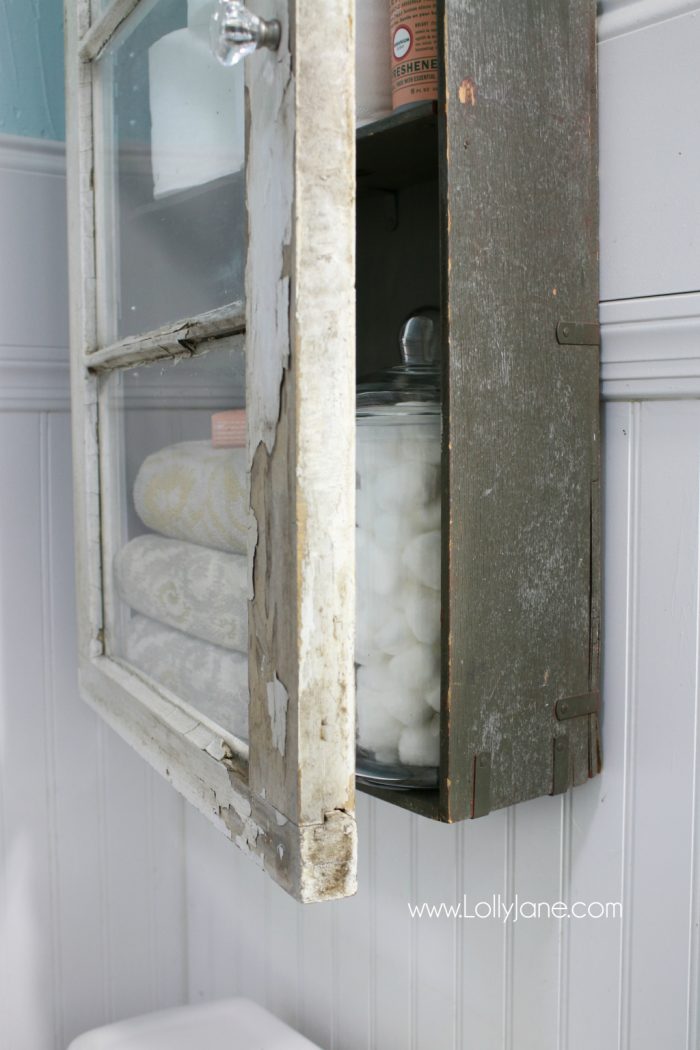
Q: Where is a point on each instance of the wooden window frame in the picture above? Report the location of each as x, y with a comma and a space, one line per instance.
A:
287, 797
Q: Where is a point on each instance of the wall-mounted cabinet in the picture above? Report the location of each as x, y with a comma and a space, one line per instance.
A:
216, 269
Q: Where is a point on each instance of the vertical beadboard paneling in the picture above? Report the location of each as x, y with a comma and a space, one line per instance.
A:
597, 809
28, 925
435, 940
211, 880
661, 816
281, 954
353, 967
535, 953
317, 971
92, 903
78, 817
392, 935
484, 995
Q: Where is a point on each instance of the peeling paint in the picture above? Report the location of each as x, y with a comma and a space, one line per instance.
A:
277, 703
240, 805
267, 285
467, 92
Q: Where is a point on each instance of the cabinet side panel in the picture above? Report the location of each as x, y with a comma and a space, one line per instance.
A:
520, 228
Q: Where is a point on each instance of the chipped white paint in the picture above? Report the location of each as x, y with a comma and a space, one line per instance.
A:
192, 337
270, 194
301, 429
277, 704
94, 41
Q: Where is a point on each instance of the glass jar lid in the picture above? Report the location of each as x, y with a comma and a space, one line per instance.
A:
416, 380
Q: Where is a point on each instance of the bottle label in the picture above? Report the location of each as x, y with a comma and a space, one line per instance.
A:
414, 51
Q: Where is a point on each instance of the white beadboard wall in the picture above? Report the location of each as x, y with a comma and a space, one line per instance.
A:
114, 898
360, 974
92, 898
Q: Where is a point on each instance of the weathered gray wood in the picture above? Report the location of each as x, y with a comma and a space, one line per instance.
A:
186, 336
300, 356
94, 40
521, 550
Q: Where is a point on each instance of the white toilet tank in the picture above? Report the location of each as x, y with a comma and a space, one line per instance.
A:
230, 1024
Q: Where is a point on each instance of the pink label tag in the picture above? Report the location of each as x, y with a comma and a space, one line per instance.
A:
228, 429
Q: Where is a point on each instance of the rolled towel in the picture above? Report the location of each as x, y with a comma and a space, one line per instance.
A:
197, 590
194, 492
211, 679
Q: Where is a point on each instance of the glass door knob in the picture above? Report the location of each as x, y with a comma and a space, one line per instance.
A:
237, 32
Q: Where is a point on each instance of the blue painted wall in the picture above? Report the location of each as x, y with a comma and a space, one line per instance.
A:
31, 68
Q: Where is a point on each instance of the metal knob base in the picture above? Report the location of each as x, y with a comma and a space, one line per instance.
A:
237, 32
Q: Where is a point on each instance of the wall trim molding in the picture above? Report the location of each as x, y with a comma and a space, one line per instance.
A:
651, 348
36, 156
640, 14
34, 379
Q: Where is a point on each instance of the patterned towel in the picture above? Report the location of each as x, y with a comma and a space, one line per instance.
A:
213, 680
200, 591
194, 492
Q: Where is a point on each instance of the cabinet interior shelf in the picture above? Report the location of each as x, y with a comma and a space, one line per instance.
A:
398, 150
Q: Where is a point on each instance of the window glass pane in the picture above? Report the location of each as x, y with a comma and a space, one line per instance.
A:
170, 194
175, 529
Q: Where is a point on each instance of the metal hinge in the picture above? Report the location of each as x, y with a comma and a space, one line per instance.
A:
569, 333
481, 794
577, 706
561, 766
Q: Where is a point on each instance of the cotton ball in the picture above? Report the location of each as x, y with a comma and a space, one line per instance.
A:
385, 443
366, 651
391, 529
394, 634
362, 568
403, 702
377, 449
420, 745
370, 613
365, 500
421, 444
377, 570
427, 518
407, 706
408, 485
422, 608
416, 667
375, 676
421, 556
432, 697
387, 572
376, 729
390, 632
387, 756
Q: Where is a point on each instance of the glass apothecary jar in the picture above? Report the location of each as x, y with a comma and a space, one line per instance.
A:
397, 652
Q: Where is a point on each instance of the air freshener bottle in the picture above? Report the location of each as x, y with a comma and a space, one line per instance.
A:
414, 51
397, 654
